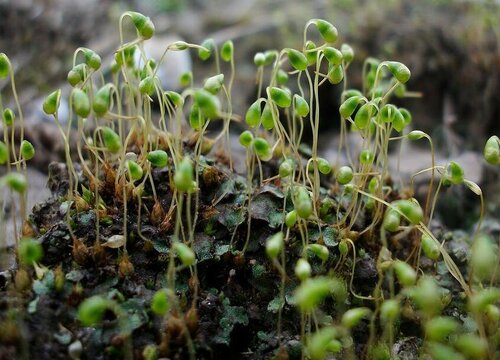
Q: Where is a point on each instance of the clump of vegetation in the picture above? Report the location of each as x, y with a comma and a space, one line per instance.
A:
157, 248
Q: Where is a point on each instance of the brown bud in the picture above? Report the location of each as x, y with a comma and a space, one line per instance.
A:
80, 204
59, 279
28, 230
125, 267
22, 280
9, 332
81, 253
157, 214
191, 319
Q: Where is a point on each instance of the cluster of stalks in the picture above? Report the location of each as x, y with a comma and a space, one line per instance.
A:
128, 126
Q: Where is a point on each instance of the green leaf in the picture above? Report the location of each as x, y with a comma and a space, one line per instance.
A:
203, 247
230, 216
266, 207
222, 249
275, 304
232, 316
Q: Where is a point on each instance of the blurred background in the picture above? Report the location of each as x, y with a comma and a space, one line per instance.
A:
451, 47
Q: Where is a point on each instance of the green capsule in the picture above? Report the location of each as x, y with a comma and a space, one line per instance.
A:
51, 102
208, 48
353, 316
311, 53
416, 135
29, 251
333, 55
111, 140
281, 97
324, 166
246, 139
347, 53
374, 185
158, 158
327, 31
291, 219
160, 303
439, 351
405, 273
143, 24
349, 106
134, 170
4, 66
320, 343
406, 116
262, 149
125, 57
286, 168
321, 251
76, 75
92, 59
16, 181
274, 245
4, 153
472, 346
301, 105
398, 122
366, 157
186, 79
492, 150
253, 114
303, 269
102, 100
184, 253
427, 296
481, 299
259, 59
281, 77
399, 71
196, 119
430, 247
392, 220
147, 85
208, 103
267, 117
387, 113
183, 177
344, 247
439, 328
179, 45
344, 175
303, 203
411, 209
226, 51
91, 310
389, 310
454, 173
313, 290
363, 116
270, 57
175, 98
81, 102
27, 150
297, 59
335, 74
484, 257
214, 84
9, 117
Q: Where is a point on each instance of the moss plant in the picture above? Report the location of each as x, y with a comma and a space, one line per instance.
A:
164, 249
